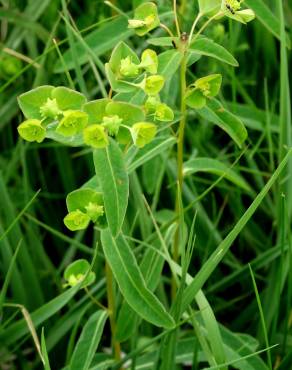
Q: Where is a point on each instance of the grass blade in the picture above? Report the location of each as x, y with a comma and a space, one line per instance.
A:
224, 246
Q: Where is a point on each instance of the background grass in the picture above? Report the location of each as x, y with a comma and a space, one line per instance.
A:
35, 251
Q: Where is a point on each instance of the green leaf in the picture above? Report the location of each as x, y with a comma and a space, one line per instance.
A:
68, 98
207, 6
96, 110
31, 101
99, 41
217, 256
157, 146
161, 41
88, 341
113, 178
227, 121
205, 46
168, 63
131, 282
79, 199
215, 167
74, 141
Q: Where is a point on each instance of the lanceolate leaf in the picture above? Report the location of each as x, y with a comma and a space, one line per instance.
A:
88, 341
113, 178
216, 167
217, 114
131, 282
205, 46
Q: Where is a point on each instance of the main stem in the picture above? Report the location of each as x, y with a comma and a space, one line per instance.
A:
180, 154
111, 308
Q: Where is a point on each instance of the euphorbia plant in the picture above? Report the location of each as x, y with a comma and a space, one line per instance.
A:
134, 119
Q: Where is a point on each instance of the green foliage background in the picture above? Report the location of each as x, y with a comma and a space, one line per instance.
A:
257, 92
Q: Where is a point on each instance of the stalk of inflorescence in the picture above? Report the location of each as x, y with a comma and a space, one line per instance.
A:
111, 309
185, 42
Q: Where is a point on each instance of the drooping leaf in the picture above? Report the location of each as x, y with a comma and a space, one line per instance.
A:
206, 46
227, 121
216, 167
131, 282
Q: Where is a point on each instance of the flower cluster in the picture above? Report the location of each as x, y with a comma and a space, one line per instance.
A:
145, 19
84, 206
61, 113
232, 9
203, 89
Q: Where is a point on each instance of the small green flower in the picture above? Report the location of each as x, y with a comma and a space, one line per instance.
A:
76, 220
128, 68
112, 124
164, 113
152, 84
204, 88
32, 130
94, 211
149, 61
50, 109
79, 271
95, 136
151, 103
231, 8
145, 18
72, 123
143, 133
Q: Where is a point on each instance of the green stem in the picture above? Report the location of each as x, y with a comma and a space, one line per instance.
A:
94, 300
111, 309
205, 25
180, 153
176, 18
